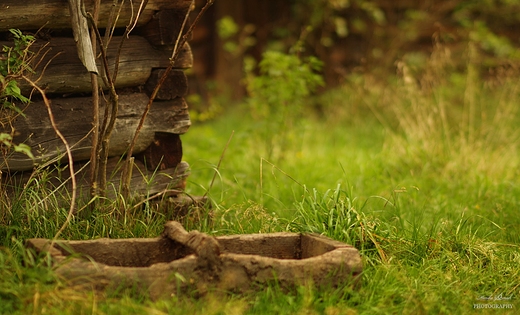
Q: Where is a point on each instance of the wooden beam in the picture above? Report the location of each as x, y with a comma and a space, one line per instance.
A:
72, 116
62, 72
54, 14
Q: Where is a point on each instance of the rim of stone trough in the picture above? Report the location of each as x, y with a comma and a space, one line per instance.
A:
207, 249
236, 263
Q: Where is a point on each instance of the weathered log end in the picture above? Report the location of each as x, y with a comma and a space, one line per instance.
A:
175, 84
164, 152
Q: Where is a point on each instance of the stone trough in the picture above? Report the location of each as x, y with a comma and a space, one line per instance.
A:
178, 261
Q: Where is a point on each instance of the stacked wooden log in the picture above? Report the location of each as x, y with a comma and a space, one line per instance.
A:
143, 58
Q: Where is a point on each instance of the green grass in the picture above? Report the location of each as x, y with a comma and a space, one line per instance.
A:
422, 179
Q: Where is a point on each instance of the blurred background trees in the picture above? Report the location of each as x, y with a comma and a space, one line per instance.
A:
349, 37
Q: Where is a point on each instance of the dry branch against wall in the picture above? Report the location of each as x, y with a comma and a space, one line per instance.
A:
180, 42
96, 128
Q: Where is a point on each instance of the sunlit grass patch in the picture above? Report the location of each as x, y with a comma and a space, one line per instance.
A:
420, 173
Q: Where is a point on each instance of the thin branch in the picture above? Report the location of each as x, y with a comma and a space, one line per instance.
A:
141, 8
178, 40
42, 72
179, 43
102, 49
128, 29
94, 153
69, 155
112, 21
106, 129
109, 79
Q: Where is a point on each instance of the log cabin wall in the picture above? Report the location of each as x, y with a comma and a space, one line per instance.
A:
142, 60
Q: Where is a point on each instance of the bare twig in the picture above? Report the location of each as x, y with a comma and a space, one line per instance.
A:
178, 45
69, 156
109, 79
112, 21
106, 128
131, 26
128, 29
94, 153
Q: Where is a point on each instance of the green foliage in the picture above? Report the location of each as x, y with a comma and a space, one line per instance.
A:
14, 63
7, 141
389, 31
21, 271
14, 59
280, 90
336, 214
210, 111
236, 39
487, 23
443, 161
284, 83
499, 46
226, 27
328, 20
430, 243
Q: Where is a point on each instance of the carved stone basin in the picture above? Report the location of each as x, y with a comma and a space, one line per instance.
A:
179, 261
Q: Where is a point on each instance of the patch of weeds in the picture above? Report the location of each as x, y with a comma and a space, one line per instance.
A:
24, 274
336, 214
246, 219
278, 93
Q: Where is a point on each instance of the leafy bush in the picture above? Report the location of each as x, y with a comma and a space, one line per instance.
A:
13, 64
278, 93
284, 83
